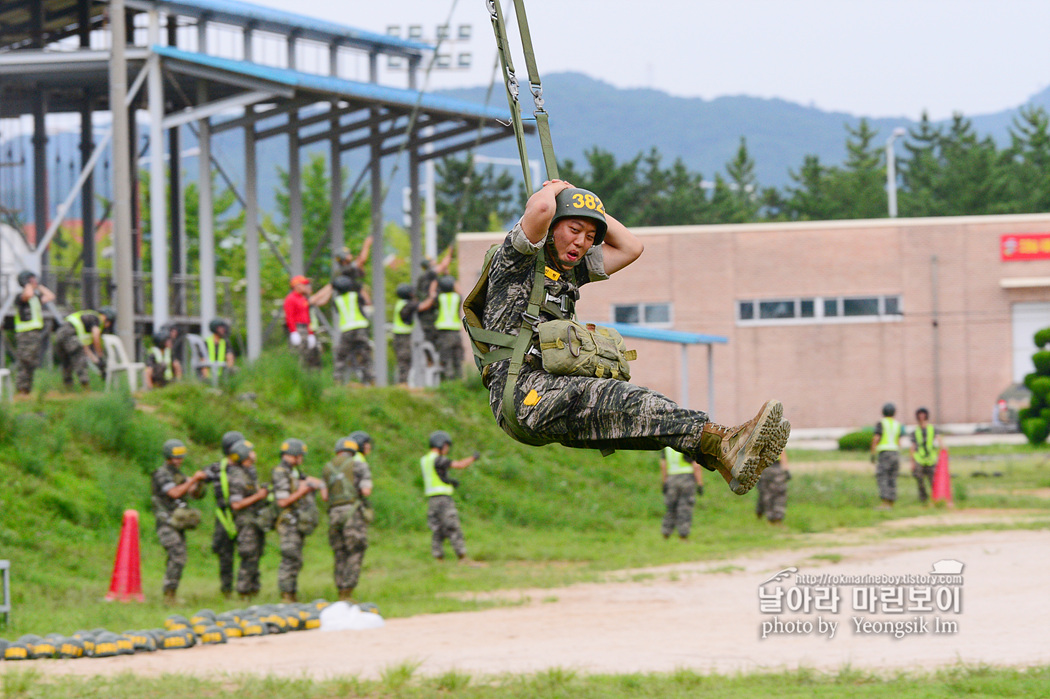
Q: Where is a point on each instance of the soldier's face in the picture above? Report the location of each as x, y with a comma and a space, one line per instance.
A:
573, 237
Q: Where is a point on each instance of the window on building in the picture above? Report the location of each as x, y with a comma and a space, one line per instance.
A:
415, 31
746, 310
393, 30
819, 309
864, 306
654, 314
464, 32
442, 31
396, 62
444, 60
771, 310
464, 60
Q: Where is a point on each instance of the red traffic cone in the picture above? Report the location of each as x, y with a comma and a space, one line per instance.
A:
126, 584
942, 479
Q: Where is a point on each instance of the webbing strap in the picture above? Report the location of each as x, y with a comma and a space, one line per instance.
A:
542, 124
521, 346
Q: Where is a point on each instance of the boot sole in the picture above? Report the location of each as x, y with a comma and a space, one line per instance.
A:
763, 447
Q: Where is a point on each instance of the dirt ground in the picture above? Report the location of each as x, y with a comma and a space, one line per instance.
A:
702, 616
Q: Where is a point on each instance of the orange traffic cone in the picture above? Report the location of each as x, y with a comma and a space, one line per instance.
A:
942, 479
126, 584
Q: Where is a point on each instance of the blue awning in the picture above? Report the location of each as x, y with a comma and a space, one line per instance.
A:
643, 332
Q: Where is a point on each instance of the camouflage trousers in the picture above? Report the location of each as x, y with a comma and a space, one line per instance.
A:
886, 475
223, 547
403, 352
450, 350
291, 542
70, 353
923, 476
443, 520
679, 500
353, 357
602, 414
773, 493
174, 542
28, 349
250, 544
348, 537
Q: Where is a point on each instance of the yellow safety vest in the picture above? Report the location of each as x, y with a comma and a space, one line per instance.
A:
398, 326
432, 485
216, 351
925, 454
448, 311
676, 463
350, 316
163, 356
36, 317
891, 435
225, 514
75, 319
315, 324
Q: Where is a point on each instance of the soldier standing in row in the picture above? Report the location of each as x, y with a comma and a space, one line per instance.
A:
447, 328
438, 486
225, 530
299, 517
349, 482
682, 481
353, 356
29, 329
773, 491
244, 494
401, 329
173, 516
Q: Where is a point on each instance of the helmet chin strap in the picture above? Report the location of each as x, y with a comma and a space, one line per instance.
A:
552, 255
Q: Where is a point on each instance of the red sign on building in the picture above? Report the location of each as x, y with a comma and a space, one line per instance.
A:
1024, 246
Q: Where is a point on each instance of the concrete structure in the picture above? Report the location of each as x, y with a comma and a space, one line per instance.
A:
833, 318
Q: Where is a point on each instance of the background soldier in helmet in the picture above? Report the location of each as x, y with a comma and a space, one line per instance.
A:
161, 366
353, 356
773, 491
401, 329
926, 447
174, 517
564, 240
347, 264
245, 495
79, 341
349, 483
427, 293
294, 493
682, 481
447, 328
442, 516
219, 347
29, 328
222, 542
885, 453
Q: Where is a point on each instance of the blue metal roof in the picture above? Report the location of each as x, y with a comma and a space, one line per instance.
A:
337, 86
643, 332
278, 21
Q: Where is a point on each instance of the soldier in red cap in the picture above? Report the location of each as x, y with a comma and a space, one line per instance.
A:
300, 316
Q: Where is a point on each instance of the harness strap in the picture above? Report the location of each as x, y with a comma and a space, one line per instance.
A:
542, 124
521, 346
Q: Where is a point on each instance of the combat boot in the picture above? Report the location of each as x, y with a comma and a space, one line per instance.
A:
741, 453
288, 597
346, 594
169, 598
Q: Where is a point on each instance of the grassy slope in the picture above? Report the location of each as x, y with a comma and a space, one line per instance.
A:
538, 516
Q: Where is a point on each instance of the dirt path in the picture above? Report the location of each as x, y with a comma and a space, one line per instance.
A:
702, 616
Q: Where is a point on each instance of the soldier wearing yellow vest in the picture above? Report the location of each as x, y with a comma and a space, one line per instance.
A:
225, 530
29, 328
161, 366
885, 452
79, 341
219, 347
682, 482
401, 330
353, 355
926, 447
442, 516
349, 483
449, 344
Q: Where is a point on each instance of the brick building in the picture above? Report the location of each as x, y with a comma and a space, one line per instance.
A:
834, 318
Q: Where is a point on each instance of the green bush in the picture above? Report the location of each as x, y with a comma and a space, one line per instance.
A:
1041, 359
1042, 337
1024, 413
1035, 430
1041, 387
857, 441
1029, 378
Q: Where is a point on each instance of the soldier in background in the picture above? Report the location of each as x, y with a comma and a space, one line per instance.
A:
29, 328
885, 454
295, 497
682, 481
447, 326
225, 530
926, 446
244, 494
79, 341
349, 483
438, 486
173, 516
161, 366
773, 491
401, 329
353, 355
427, 295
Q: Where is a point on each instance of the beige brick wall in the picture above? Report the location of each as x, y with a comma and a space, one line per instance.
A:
830, 374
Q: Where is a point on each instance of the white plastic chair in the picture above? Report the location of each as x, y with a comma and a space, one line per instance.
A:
199, 359
117, 360
431, 369
5, 377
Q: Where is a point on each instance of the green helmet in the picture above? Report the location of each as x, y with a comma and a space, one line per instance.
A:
174, 449
446, 283
343, 284
345, 444
404, 291
229, 439
293, 447
25, 276
109, 313
241, 451
581, 203
439, 439
361, 437
217, 323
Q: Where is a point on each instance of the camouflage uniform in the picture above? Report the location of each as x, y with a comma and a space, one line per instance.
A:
244, 481
772, 492
679, 499
575, 411
886, 472
450, 349
173, 540
443, 520
353, 356
403, 353
346, 477
28, 348
925, 457
290, 525
69, 350
221, 542
429, 316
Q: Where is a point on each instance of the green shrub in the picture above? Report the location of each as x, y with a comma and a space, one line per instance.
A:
857, 441
1035, 430
1042, 337
1044, 414
1023, 414
1041, 359
1029, 378
1041, 387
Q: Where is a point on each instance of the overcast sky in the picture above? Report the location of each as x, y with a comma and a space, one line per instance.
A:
864, 57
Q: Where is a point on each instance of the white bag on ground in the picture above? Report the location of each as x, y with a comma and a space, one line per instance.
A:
340, 616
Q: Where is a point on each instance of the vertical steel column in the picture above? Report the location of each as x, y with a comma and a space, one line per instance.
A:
41, 206
416, 376
253, 306
378, 246
935, 323
335, 221
158, 190
206, 212
295, 186
176, 201
122, 252
88, 270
